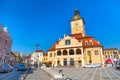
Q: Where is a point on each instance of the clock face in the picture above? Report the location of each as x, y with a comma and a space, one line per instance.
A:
76, 24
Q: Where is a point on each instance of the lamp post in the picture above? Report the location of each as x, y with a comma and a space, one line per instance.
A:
37, 46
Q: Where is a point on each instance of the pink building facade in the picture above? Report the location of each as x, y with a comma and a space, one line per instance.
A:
5, 46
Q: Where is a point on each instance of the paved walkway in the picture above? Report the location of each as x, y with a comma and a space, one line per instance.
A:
90, 73
38, 75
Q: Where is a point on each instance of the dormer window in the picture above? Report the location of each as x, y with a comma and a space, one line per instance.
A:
86, 43
91, 43
67, 42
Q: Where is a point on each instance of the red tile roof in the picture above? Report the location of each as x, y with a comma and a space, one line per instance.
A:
111, 49
79, 36
88, 39
39, 51
53, 47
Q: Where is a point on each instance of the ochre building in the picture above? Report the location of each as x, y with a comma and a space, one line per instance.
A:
112, 53
76, 49
44, 59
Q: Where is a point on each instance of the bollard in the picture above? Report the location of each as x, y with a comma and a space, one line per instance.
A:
60, 71
22, 77
68, 78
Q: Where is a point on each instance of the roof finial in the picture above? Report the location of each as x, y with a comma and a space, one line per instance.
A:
76, 15
76, 12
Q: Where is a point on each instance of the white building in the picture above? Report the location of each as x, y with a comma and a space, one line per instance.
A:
36, 57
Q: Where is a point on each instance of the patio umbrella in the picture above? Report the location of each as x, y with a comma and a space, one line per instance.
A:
108, 61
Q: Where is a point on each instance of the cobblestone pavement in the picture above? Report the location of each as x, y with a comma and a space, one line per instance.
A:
38, 75
90, 73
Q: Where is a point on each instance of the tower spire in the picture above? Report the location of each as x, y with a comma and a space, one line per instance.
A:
76, 15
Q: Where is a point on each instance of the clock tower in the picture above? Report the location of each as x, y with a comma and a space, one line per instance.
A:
77, 24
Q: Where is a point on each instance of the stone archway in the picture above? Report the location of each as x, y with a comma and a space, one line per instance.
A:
64, 52
78, 52
58, 53
71, 52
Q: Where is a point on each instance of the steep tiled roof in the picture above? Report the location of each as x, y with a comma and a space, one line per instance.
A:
45, 54
39, 51
53, 47
86, 39
111, 49
79, 36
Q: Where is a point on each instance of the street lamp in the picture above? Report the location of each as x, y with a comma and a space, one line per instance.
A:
37, 46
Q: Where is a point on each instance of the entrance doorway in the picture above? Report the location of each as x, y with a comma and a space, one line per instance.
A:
79, 63
65, 62
58, 63
72, 62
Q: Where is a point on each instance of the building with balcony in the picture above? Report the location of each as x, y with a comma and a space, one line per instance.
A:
5, 45
76, 49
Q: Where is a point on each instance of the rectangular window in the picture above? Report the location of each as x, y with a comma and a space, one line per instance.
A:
50, 54
96, 52
89, 52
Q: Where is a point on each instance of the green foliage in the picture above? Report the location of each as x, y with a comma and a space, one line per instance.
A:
48, 64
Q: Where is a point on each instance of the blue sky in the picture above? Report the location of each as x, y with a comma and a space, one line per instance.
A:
44, 21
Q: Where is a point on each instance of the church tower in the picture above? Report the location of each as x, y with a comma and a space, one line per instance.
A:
77, 24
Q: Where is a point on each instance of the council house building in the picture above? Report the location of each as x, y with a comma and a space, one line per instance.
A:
76, 49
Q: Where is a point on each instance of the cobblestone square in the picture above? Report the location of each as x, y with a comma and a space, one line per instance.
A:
90, 73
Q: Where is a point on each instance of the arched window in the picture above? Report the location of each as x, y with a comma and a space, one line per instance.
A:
64, 52
58, 53
71, 52
67, 42
78, 51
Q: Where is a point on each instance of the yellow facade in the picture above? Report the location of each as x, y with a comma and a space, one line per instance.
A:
96, 55
76, 49
77, 26
111, 53
45, 59
51, 57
